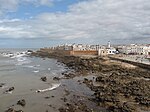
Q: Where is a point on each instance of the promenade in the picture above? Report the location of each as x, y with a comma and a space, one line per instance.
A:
134, 58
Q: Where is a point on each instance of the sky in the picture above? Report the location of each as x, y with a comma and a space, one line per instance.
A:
44, 23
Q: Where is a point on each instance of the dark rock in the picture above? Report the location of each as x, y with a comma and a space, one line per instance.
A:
21, 102
2, 84
19, 111
62, 109
10, 110
30, 51
64, 99
47, 97
56, 78
10, 89
44, 79
13, 110
69, 75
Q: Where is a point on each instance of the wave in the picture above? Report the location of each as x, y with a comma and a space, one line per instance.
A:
54, 86
36, 71
19, 57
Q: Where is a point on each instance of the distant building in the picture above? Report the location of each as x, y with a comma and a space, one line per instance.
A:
111, 51
134, 49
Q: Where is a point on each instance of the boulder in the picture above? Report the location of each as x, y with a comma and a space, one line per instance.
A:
44, 79
21, 102
56, 78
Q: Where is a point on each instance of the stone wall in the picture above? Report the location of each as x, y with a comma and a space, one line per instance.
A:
69, 52
76, 53
142, 65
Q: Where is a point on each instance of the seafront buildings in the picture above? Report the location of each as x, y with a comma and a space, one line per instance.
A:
135, 49
81, 49
101, 50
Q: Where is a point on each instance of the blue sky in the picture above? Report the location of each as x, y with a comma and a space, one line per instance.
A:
43, 23
28, 10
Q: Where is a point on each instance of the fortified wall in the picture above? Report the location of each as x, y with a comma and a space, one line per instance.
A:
69, 52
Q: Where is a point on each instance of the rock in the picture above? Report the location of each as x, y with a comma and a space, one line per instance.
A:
30, 51
10, 110
125, 107
2, 84
13, 110
143, 100
62, 109
9, 90
56, 78
47, 97
64, 99
21, 102
19, 111
44, 79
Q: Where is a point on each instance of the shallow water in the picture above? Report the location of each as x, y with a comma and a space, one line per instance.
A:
24, 73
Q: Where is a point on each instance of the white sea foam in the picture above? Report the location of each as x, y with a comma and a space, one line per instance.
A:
20, 57
36, 71
54, 86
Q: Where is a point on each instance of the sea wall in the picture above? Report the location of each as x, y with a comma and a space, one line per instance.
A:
47, 51
142, 65
94, 52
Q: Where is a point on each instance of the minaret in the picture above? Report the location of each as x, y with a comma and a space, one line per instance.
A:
109, 44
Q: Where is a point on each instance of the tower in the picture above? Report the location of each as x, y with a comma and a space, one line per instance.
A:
109, 44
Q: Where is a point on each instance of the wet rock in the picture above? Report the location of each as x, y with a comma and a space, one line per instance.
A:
2, 84
143, 100
64, 99
21, 102
10, 110
68, 108
69, 75
30, 51
13, 110
44, 79
19, 111
62, 109
56, 78
125, 107
9, 90
47, 97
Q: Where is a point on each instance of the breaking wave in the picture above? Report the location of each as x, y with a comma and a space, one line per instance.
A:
54, 86
19, 57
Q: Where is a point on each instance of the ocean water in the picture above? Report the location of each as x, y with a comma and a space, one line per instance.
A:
22, 72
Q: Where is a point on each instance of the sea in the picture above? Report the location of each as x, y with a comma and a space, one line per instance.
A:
23, 72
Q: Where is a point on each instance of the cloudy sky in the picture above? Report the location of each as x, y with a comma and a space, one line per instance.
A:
39, 23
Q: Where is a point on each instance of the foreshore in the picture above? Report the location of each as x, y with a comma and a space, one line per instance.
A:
116, 86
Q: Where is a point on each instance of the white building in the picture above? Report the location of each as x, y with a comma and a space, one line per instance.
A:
111, 51
134, 49
147, 50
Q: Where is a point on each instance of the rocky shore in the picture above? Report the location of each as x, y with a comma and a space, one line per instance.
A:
115, 88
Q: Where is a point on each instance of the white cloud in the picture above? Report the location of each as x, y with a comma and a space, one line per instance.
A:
12, 5
97, 19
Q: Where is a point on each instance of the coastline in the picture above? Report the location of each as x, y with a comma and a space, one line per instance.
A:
116, 86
